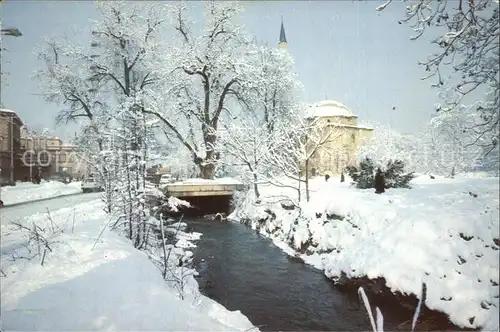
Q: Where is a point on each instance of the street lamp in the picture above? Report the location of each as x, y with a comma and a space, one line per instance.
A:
14, 32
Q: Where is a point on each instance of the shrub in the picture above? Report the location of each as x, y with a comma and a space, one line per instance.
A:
362, 176
395, 177
353, 173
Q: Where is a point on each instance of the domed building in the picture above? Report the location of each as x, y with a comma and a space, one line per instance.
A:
340, 126
337, 122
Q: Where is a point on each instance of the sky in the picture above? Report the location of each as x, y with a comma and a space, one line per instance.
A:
344, 50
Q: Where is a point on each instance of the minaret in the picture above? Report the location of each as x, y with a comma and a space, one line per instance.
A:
282, 43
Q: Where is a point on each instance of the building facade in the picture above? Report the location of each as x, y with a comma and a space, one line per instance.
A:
342, 136
10, 150
336, 127
46, 156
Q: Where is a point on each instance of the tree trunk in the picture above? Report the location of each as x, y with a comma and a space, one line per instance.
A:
207, 170
255, 186
307, 180
299, 189
207, 165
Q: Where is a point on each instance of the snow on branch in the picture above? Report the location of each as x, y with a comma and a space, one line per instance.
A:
465, 64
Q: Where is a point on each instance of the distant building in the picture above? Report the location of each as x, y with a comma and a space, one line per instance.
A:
48, 155
282, 42
10, 152
345, 137
341, 127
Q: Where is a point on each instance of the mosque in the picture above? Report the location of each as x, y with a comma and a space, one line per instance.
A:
338, 123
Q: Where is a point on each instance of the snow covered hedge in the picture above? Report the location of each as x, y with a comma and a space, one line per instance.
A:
443, 232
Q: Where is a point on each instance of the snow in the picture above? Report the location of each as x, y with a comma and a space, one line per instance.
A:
362, 126
327, 108
110, 287
230, 181
438, 232
27, 191
6, 110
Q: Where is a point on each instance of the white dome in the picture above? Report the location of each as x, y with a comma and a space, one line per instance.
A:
329, 108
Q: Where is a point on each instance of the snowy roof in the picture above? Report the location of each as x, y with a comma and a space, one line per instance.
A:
329, 108
361, 126
11, 114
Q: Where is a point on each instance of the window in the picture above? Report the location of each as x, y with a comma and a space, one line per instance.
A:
29, 158
353, 138
43, 157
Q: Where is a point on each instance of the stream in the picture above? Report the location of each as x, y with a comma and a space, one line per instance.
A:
245, 271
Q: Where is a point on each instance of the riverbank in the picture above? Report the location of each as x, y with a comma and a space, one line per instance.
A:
443, 232
68, 271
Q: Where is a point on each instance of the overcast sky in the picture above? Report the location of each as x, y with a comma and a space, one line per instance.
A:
344, 50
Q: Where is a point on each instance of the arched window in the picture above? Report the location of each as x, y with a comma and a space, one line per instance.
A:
353, 138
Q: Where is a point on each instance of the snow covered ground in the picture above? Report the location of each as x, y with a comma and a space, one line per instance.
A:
208, 182
443, 232
27, 191
93, 282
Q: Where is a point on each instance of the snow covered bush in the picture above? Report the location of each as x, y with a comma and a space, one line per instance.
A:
363, 175
394, 174
38, 241
350, 231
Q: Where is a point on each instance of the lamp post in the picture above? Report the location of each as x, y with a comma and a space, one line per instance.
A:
13, 32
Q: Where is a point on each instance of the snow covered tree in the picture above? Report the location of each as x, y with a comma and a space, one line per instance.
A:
297, 142
248, 143
466, 62
443, 148
395, 175
115, 68
266, 105
66, 79
125, 42
277, 89
388, 144
362, 176
438, 148
203, 75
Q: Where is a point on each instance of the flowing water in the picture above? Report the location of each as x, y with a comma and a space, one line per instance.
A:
245, 271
